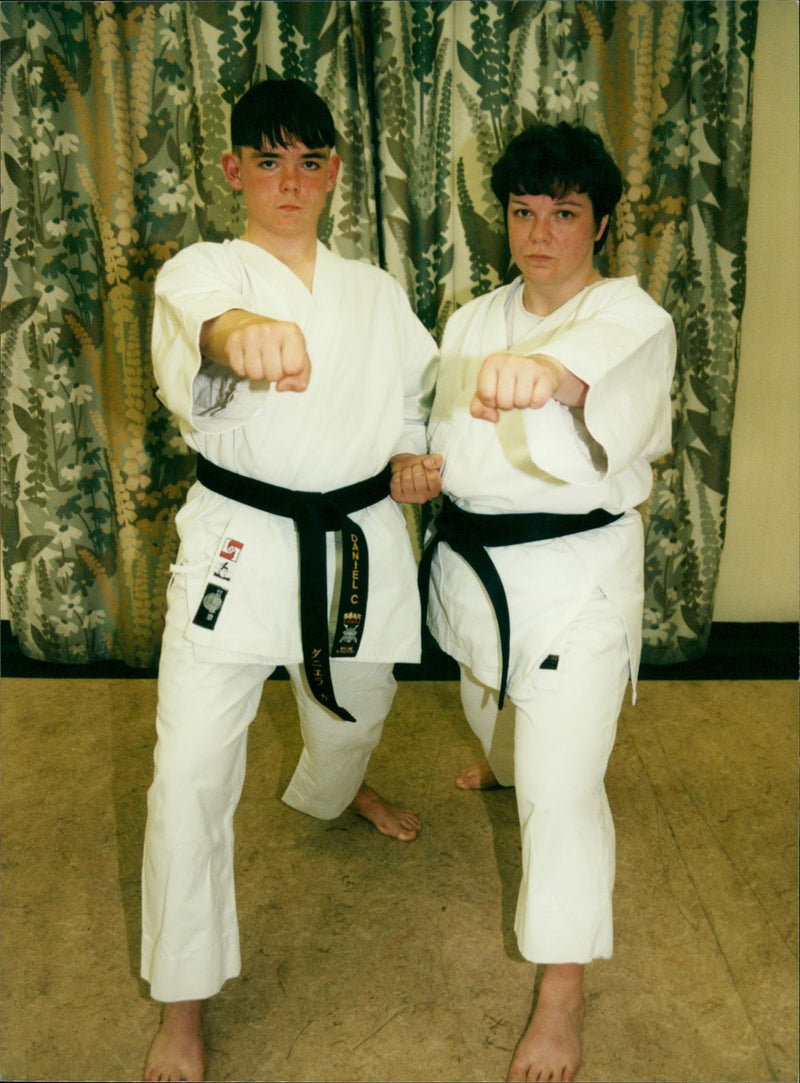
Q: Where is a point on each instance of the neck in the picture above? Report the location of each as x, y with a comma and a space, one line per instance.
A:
540, 300
299, 254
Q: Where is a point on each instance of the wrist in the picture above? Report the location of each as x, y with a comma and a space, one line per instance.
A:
570, 390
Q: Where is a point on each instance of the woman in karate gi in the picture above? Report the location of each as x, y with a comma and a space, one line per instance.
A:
298, 377
553, 397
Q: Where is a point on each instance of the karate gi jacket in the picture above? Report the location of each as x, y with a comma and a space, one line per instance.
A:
557, 459
372, 376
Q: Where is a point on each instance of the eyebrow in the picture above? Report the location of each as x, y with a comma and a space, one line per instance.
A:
519, 197
566, 200
320, 154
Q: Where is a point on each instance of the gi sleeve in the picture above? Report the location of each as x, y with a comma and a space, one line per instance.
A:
626, 355
420, 360
196, 285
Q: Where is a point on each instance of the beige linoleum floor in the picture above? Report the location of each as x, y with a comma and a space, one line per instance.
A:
370, 959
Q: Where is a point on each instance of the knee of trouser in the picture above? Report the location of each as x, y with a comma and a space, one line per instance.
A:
568, 818
561, 757
195, 758
550, 793
366, 691
196, 786
183, 809
343, 738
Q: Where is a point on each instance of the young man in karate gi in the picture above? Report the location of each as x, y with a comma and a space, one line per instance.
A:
304, 382
553, 397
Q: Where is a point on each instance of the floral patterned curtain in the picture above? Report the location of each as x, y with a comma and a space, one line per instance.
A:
115, 118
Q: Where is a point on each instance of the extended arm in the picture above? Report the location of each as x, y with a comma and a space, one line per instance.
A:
258, 348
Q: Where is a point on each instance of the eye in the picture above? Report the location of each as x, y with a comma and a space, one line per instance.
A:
521, 212
564, 214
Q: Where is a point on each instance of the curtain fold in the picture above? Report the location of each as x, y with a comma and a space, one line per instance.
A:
115, 118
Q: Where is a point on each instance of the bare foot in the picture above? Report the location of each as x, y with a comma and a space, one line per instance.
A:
177, 1051
550, 1049
399, 823
478, 777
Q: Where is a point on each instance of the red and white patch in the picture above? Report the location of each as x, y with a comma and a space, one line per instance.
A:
231, 549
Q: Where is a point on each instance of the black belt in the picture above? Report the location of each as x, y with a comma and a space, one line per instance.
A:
315, 514
470, 533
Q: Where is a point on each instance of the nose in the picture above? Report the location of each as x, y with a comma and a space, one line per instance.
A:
290, 178
540, 229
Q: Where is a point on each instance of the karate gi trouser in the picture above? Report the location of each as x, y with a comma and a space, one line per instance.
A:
190, 936
564, 727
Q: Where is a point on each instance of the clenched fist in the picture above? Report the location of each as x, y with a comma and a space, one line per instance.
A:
258, 348
416, 478
507, 381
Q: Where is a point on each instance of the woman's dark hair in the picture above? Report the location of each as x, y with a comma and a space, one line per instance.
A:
280, 112
553, 160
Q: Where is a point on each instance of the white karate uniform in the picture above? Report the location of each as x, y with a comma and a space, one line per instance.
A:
575, 602
372, 373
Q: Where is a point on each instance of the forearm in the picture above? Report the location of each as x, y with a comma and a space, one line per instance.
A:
215, 333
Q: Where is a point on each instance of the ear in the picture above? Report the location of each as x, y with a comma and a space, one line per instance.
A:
602, 227
334, 165
231, 167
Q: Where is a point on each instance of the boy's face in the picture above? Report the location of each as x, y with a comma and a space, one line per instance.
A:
552, 240
285, 188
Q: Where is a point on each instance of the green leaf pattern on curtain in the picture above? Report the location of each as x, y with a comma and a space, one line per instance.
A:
115, 118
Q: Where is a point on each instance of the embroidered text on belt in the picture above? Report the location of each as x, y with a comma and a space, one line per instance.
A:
315, 514
470, 534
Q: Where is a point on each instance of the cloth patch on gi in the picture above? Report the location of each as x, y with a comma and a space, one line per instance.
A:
209, 608
231, 549
550, 662
228, 555
350, 629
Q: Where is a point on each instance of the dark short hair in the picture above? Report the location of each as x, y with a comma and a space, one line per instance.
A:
548, 159
280, 112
